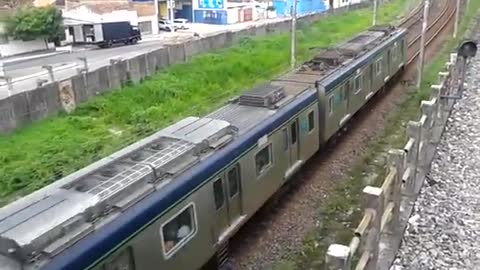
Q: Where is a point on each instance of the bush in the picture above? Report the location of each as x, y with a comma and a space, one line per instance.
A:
30, 23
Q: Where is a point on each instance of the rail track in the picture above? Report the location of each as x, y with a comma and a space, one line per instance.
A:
435, 26
413, 17
276, 229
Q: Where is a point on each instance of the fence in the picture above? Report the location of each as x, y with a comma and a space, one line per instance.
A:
378, 236
63, 90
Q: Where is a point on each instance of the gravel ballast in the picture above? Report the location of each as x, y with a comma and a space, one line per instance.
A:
444, 229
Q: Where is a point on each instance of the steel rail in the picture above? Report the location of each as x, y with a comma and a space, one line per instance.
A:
434, 23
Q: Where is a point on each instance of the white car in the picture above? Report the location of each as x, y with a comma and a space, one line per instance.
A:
166, 26
180, 23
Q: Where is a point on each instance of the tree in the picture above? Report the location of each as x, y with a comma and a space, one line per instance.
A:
31, 23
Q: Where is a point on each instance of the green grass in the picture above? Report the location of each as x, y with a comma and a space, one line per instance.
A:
43, 152
341, 213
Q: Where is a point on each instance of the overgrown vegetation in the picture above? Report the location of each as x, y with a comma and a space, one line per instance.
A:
341, 213
48, 150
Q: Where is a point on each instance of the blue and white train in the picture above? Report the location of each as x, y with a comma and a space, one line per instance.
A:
173, 200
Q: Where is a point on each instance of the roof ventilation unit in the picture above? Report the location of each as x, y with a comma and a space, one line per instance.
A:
330, 57
266, 96
387, 29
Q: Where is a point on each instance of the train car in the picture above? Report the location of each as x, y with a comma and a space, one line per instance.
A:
173, 200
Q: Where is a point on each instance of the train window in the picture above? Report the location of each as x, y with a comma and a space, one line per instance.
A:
233, 180
358, 84
263, 159
218, 193
122, 261
285, 139
177, 231
293, 131
345, 90
378, 66
311, 121
330, 104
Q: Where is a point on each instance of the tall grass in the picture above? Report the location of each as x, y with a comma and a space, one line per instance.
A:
43, 152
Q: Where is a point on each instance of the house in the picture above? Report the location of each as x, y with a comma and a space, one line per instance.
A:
284, 7
146, 15
41, 3
342, 3
230, 12
181, 8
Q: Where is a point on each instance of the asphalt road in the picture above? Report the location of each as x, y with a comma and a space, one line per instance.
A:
25, 73
29, 67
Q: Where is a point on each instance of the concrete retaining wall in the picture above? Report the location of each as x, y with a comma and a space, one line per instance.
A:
14, 47
39, 103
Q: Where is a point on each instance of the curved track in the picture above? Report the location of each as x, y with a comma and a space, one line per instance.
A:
278, 228
437, 22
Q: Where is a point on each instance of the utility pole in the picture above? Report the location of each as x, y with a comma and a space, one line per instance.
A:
155, 5
457, 18
375, 11
422, 43
293, 40
172, 6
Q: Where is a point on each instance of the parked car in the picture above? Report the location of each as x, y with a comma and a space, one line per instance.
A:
166, 26
180, 23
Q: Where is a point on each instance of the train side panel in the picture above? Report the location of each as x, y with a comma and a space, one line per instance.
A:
190, 233
288, 146
161, 246
334, 110
180, 239
338, 105
310, 140
359, 87
380, 70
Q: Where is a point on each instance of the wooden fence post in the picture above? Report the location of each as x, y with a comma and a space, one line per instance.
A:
338, 257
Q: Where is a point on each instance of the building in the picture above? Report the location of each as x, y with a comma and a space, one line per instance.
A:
284, 7
342, 3
138, 13
181, 8
229, 12
42, 3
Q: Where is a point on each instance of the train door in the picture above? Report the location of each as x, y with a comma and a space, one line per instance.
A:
389, 62
221, 208
371, 83
233, 191
228, 204
293, 142
347, 92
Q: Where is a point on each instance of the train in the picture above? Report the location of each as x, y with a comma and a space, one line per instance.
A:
173, 200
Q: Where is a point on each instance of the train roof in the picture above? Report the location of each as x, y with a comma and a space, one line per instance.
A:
372, 47
136, 184
332, 66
